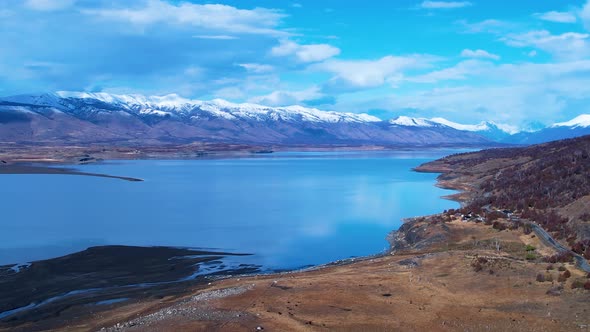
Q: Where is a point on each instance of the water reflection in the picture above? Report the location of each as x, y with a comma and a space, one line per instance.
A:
290, 209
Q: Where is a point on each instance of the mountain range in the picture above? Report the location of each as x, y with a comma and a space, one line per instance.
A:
102, 118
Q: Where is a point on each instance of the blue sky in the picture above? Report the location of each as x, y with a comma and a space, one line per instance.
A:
520, 62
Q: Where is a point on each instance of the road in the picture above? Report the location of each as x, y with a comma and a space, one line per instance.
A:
581, 262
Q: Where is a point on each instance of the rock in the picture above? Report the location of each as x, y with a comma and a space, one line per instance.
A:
555, 291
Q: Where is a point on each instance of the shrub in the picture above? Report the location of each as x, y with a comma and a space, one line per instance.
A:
529, 247
530, 256
499, 226
527, 229
550, 267
577, 284
562, 257
567, 274
587, 285
561, 268
479, 263
540, 277
578, 248
477, 266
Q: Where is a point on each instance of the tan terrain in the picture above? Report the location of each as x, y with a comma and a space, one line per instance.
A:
462, 283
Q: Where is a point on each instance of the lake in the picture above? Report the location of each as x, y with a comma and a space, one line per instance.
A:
289, 209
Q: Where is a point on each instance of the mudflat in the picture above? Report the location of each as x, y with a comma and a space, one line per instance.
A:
42, 293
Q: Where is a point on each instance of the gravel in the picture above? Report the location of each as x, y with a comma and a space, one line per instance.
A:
194, 308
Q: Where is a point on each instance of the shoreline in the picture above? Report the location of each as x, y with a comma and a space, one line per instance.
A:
98, 295
47, 170
72, 154
363, 293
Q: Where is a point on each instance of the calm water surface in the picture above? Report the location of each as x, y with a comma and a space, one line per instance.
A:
288, 209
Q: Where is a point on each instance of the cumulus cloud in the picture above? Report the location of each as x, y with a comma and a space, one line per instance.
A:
460, 71
505, 93
559, 17
49, 5
169, 54
467, 53
286, 98
370, 73
305, 53
487, 26
445, 4
568, 45
257, 68
210, 16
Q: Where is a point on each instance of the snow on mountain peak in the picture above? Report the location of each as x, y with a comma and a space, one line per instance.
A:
478, 127
482, 126
411, 122
579, 121
219, 107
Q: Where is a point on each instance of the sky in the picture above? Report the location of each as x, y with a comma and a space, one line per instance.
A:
522, 63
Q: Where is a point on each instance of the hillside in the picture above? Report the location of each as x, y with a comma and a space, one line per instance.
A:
546, 183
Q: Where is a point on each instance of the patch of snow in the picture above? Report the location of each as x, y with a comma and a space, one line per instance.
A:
482, 126
411, 122
167, 104
582, 121
478, 127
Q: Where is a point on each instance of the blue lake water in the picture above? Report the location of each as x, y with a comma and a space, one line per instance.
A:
288, 209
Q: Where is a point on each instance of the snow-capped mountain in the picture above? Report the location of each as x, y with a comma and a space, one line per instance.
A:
413, 122
74, 117
579, 126
79, 117
174, 105
581, 121
488, 129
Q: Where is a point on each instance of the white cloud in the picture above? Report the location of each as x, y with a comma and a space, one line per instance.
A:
461, 71
285, 48
532, 54
208, 16
585, 15
371, 73
569, 45
49, 5
305, 53
216, 37
316, 52
194, 71
257, 68
559, 17
487, 26
505, 93
231, 93
467, 53
286, 98
445, 4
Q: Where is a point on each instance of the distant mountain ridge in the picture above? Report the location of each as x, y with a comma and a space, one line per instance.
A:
83, 118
